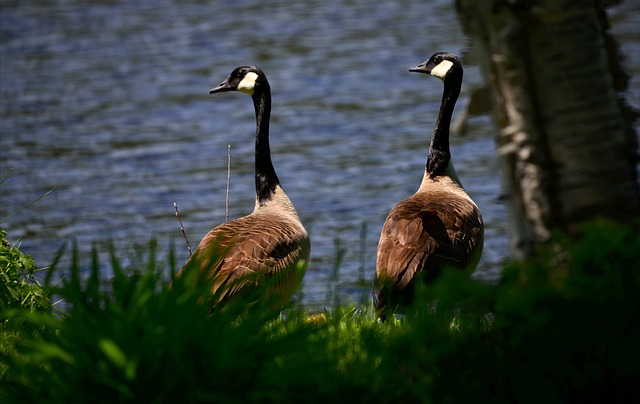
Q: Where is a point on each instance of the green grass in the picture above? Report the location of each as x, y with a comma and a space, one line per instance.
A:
562, 328
18, 285
19, 290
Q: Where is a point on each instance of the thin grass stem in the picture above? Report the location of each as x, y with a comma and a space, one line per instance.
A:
175, 206
226, 206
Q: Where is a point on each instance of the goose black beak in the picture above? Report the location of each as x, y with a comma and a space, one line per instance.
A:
421, 68
222, 87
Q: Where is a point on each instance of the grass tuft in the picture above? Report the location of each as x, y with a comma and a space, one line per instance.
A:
563, 327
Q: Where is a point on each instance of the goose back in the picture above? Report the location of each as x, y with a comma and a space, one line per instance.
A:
263, 247
436, 228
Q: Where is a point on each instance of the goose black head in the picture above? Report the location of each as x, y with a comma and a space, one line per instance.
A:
244, 79
439, 65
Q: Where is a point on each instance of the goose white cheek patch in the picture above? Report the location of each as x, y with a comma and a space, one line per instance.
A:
248, 83
441, 69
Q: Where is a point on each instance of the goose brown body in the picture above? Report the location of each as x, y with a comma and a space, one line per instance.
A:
268, 248
241, 255
439, 226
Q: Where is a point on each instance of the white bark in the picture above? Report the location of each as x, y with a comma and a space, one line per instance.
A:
568, 147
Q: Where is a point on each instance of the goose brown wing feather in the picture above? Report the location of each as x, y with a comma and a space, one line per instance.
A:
426, 233
247, 251
422, 235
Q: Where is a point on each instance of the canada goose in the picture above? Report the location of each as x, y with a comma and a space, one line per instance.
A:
437, 227
268, 245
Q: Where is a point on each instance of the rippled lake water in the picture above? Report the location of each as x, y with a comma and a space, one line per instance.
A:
107, 102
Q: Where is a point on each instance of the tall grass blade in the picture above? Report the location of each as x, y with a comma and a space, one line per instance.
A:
26, 206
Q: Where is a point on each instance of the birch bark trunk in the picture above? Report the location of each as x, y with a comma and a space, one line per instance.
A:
566, 137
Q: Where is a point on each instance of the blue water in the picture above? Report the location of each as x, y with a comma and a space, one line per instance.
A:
107, 102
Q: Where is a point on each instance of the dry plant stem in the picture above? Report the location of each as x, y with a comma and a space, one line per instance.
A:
226, 206
175, 206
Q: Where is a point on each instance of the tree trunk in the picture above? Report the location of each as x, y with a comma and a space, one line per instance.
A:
566, 136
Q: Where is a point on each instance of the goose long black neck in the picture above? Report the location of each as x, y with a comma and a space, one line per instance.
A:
266, 178
439, 152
